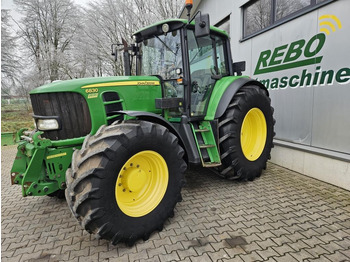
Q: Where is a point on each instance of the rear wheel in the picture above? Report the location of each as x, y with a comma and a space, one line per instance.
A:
126, 180
246, 134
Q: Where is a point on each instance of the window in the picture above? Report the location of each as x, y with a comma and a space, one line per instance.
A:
257, 16
224, 24
207, 59
260, 15
162, 55
287, 7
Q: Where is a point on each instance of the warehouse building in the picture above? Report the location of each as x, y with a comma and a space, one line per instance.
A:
299, 50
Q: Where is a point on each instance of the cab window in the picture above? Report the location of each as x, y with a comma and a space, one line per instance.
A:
207, 64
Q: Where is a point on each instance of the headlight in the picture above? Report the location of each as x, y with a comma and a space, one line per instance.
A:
47, 124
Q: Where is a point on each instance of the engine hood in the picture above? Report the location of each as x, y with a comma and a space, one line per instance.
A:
76, 85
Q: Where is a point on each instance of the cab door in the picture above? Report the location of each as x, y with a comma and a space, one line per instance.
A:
208, 63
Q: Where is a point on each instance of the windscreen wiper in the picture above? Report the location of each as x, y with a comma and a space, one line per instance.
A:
165, 44
199, 50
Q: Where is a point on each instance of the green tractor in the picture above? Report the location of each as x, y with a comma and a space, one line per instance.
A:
118, 147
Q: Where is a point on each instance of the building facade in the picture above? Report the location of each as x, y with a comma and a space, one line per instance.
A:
299, 50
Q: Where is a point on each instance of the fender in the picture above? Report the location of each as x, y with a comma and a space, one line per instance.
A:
154, 118
230, 91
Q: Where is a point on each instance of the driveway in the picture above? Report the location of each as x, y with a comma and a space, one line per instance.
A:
281, 216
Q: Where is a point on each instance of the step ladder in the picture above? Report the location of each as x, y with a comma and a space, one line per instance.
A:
206, 144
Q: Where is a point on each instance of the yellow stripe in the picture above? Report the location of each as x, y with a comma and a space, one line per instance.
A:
125, 83
57, 155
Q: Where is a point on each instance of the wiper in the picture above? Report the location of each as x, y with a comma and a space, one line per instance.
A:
165, 45
199, 50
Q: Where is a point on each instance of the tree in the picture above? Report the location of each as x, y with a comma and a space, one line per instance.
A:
10, 65
65, 41
110, 21
47, 29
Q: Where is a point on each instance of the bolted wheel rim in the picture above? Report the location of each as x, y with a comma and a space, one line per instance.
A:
141, 183
253, 134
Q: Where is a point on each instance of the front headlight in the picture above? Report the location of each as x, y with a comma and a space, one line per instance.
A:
47, 124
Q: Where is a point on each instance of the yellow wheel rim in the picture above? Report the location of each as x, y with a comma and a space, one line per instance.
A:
253, 134
141, 183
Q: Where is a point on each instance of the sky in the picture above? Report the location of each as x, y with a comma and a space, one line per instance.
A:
8, 4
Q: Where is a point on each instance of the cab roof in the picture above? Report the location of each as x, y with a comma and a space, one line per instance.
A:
174, 24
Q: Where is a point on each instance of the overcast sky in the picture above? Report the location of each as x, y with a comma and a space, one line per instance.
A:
8, 4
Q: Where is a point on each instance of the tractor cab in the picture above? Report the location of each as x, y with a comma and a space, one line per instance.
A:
188, 64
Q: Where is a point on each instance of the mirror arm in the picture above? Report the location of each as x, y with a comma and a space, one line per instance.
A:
193, 17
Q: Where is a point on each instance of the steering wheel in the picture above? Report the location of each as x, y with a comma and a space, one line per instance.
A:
195, 87
170, 90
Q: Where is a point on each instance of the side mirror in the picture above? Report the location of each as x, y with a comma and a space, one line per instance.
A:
238, 67
202, 25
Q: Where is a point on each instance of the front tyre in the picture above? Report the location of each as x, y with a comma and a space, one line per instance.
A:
246, 134
126, 180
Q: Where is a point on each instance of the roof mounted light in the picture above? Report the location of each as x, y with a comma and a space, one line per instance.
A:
189, 5
165, 28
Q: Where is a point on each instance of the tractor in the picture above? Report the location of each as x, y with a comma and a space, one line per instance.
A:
117, 147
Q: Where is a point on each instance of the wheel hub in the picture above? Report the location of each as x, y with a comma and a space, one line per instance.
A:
253, 134
141, 183
135, 179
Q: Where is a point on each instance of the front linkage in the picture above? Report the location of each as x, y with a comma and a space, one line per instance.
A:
40, 165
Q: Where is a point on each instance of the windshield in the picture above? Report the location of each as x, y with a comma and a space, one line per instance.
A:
161, 55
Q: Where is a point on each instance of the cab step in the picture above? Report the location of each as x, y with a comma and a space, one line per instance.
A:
211, 164
206, 144
201, 130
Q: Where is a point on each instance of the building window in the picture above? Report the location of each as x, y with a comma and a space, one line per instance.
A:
257, 16
224, 24
287, 7
260, 15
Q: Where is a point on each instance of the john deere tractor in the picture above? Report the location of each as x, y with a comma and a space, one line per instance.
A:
118, 147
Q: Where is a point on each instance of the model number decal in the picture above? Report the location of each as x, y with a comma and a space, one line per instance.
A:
91, 90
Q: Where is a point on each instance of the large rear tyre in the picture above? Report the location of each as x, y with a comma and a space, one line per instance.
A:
246, 134
126, 180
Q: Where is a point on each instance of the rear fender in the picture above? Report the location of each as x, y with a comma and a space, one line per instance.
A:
221, 100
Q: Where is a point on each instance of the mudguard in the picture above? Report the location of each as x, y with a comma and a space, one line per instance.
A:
221, 99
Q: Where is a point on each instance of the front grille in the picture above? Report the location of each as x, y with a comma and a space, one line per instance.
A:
72, 110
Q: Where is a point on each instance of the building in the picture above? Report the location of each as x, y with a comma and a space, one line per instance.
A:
299, 50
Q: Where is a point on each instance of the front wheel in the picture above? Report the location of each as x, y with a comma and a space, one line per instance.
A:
126, 180
246, 134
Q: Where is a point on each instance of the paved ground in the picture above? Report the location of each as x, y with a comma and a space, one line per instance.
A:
282, 216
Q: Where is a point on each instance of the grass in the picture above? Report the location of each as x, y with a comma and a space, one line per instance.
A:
15, 117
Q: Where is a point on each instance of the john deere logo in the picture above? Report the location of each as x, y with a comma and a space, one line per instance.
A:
302, 53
